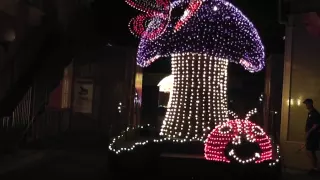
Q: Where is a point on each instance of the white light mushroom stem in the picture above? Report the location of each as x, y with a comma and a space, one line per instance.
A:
199, 97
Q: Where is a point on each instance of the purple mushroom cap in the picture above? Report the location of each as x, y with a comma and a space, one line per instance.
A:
217, 29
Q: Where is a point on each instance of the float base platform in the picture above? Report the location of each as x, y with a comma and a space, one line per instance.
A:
166, 160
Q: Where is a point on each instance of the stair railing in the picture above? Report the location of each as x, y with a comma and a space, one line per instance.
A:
12, 127
21, 114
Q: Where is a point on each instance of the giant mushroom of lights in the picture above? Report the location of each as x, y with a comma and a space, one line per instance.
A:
201, 43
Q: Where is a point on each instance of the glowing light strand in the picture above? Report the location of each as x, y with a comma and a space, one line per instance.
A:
233, 114
116, 149
149, 6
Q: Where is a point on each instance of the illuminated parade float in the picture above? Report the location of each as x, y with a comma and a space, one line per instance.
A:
201, 43
201, 40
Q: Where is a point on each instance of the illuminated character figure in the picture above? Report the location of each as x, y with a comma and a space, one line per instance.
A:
201, 42
238, 140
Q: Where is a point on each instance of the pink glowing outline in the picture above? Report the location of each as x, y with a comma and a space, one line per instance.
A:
196, 4
165, 16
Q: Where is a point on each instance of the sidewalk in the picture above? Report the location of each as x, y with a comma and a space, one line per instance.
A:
75, 157
77, 164
22, 159
291, 174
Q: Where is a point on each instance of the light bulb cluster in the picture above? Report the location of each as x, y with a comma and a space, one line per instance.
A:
277, 160
243, 161
233, 115
199, 97
120, 106
113, 144
261, 98
148, 6
232, 132
251, 113
137, 99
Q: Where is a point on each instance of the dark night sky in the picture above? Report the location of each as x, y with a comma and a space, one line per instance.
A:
263, 13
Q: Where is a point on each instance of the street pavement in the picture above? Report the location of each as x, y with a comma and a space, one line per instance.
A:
71, 164
290, 174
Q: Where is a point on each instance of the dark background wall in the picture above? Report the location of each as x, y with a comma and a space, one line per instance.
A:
112, 70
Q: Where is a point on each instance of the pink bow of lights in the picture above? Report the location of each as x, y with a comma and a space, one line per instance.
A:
193, 7
155, 20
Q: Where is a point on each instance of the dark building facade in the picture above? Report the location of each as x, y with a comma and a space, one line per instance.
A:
273, 95
96, 95
300, 81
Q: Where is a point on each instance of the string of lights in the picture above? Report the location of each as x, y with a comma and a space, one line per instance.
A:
119, 149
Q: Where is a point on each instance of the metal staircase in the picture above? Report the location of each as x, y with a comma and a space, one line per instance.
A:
45, 40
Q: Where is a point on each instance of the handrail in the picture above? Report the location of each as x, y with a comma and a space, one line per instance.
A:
21, 114
22, 117
19, 119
